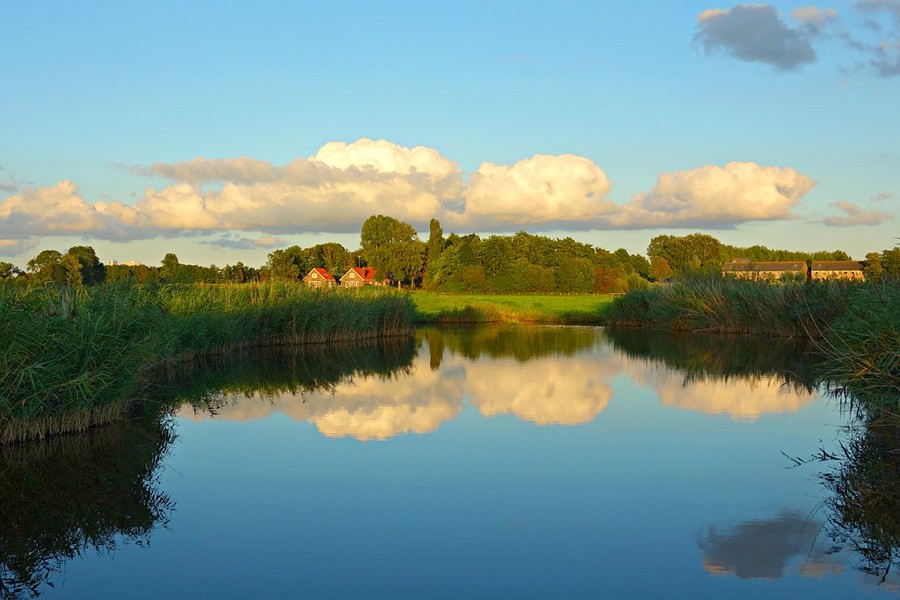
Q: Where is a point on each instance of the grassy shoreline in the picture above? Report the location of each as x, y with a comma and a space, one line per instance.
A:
71, 358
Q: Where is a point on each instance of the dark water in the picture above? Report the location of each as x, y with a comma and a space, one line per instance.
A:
478, 463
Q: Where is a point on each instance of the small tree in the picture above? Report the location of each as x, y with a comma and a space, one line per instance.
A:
660, 269
873, 269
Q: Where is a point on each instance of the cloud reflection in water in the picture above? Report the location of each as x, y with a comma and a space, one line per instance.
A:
545, 389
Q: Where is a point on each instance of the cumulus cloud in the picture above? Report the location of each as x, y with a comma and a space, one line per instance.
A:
755, 33
855, 215
335, 190
340, 186
721, 196
542, 189
60, 210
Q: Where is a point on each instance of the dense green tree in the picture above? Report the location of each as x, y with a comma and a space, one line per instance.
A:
73, 270
169, 270
574, 273
495, 255
890, 260
392, 248
84, 260
333, 257
873, 268
46, 267
287, 264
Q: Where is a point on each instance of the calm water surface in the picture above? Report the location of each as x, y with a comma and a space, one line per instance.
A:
478, 463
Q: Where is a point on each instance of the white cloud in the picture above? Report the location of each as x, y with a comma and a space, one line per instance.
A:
855, 215
724, 196
342, 185
542, 189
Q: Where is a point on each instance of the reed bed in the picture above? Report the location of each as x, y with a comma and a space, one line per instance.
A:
730, 306
71, 357
862, 348
855, 325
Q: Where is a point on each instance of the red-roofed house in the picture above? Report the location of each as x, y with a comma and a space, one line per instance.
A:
358, 277
319, 277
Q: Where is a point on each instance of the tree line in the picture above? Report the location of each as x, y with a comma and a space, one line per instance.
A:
521, 262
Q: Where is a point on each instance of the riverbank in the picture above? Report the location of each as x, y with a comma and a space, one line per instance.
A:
71, 358
855, 326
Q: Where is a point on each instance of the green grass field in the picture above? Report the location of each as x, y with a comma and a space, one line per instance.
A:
479, 308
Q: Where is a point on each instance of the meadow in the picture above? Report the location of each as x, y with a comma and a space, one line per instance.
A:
432, 307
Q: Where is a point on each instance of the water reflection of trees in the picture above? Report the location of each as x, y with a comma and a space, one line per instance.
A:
271, 372
62, 497
702, 357
520, 342
864, 505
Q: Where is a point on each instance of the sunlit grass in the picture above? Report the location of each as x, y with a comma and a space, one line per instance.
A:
469, 308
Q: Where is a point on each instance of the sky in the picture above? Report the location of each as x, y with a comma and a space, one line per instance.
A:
222, 131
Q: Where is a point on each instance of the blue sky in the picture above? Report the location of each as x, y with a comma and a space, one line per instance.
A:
222, 131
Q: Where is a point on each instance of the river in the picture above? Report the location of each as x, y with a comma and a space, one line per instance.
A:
484, 462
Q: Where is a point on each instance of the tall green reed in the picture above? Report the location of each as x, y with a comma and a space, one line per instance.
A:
862, 347
72, 357
729, 306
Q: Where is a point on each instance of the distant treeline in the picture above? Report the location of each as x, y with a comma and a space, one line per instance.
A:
517, 263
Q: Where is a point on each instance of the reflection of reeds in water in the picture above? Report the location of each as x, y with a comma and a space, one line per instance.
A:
62, 496
522, 342
70, 358
268, 373
865, 502
723, 357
